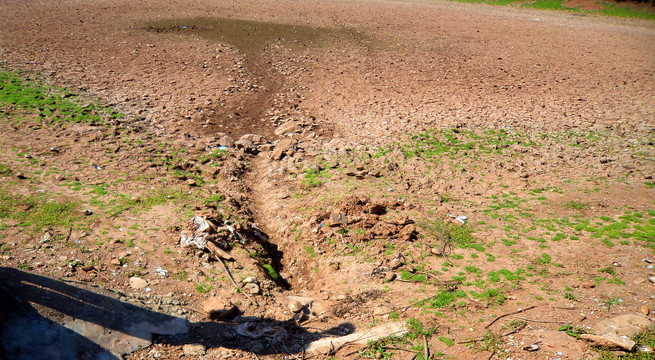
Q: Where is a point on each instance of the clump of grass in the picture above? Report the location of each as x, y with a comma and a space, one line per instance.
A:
316, 176
406, 275
5, 170
442, 299
271, 271
576, 205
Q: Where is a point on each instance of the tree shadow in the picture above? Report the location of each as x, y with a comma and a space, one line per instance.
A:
45, 318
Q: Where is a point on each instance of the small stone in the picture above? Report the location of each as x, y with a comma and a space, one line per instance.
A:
266, 147
21, 176
191, 182
645, 348
609, 341
219, 308
115, 261
252, 288
395, 263
645, 310
138, 283
531, 347
295, 306
88, 268
226, 141
390, 276
436, 251
194, 350
250, 280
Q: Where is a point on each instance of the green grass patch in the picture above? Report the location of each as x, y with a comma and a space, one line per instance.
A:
37, 212
49, 103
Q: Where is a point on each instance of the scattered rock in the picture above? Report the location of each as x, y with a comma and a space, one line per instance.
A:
609, 341
219, 308
395, 263
281, 149
645, 310
328, 344
21, 176
247, 145
194, 350
628, 325
295, 306
288, 127
390, 276
138, 283
226, 141
252, 288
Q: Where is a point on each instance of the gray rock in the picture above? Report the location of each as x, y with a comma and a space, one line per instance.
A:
288, 127
252, 288
247, 145
138, 283
609, 341
194, 350
266, 147
628, 325
254, 138
226, 141
282, 148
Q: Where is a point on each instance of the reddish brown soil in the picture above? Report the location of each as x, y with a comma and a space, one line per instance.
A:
409, 66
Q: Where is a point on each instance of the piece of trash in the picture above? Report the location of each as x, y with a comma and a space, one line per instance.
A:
159, 270
222, 148
645, 348
97, 167
54, 150
185, 27
531, 347
559, 353
461, 218
88, 212
148, 289
648, 261
649, 267
651, 279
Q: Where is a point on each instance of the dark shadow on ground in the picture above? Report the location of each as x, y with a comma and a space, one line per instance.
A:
45, 318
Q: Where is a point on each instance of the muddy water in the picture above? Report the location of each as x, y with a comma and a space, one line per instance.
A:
246, 112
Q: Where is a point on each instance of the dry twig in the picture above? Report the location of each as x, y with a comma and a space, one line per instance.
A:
508, 314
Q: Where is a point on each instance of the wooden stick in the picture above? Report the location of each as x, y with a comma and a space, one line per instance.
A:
543, 321
427, 348
253, 301
508, 314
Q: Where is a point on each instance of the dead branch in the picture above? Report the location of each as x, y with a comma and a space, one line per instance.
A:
542, 321
508, 314
252, 301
